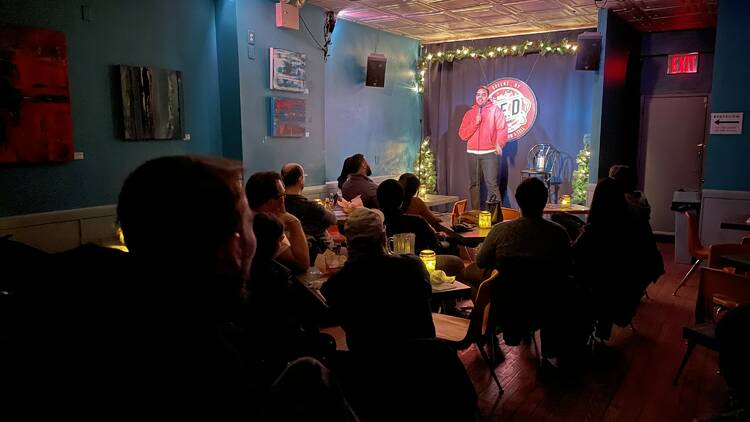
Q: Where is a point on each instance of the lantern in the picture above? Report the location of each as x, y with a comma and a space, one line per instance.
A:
430, 260
485, 220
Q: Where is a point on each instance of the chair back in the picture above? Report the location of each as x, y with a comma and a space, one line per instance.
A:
715, 282
694, 244
459, 207
421, 379
543, 157
478, 323
510, 214
716, 251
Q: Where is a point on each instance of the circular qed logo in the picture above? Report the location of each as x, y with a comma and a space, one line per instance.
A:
517, 101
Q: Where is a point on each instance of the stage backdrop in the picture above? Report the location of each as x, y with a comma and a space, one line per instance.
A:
563, 97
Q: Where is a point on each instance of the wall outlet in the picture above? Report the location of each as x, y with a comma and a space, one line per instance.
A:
78, 155
87, 14
187, 137
250, 37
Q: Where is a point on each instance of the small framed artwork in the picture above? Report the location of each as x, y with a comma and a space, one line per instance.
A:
287, 70
287, 117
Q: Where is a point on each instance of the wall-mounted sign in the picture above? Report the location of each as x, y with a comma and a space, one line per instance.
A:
682, 63
726, 123
517, 101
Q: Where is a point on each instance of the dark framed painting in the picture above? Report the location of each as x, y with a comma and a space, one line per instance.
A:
152, 106
288, 117
35, 114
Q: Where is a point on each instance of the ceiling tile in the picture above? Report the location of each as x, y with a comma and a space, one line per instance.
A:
432, 18
410, 8
441, 20
532, 5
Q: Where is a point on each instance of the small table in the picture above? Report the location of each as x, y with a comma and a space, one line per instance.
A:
735, 225
314, 281
740, 262
434, 200
570, 209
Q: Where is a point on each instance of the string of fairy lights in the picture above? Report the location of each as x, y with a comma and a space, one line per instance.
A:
527, 47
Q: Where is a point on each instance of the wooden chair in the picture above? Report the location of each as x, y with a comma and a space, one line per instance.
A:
719, 250
718, 290
459, 207
697, 250
461, 333
510, 214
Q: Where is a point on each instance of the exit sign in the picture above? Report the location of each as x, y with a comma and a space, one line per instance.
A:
682, 63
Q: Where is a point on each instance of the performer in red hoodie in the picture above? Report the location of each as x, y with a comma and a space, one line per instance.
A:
485, 132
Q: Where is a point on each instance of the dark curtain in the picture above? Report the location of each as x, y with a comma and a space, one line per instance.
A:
563, 109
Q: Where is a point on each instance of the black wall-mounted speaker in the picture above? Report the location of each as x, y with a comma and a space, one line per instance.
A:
375, 70
589, 49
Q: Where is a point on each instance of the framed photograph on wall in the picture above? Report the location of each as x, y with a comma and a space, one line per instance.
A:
287, 70
287, 117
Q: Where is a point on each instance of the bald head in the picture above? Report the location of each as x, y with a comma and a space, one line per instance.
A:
293, 176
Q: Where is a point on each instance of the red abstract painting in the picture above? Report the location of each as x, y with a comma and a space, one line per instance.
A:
35, 122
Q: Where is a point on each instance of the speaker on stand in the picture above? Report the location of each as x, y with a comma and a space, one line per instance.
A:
589, 49
375, 70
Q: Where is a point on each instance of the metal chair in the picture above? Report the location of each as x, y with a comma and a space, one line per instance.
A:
543, 162
697, 250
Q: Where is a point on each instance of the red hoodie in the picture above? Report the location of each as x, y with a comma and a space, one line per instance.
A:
489, 135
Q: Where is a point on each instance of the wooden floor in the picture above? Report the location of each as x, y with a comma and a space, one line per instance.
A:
631, 381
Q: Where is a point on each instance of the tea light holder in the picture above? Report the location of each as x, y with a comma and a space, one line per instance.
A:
564, 201
430, 260
422, 192
485, 220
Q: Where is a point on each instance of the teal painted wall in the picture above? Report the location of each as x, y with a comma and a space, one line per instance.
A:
229, 79
726, 166
170, 34
225, 92
381, 123
260, 151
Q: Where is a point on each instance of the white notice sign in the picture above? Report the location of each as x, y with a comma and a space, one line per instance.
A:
726, 123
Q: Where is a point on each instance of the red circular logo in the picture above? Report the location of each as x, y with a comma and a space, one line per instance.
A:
518, 103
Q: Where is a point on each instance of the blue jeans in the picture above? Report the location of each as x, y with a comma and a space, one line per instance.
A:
483, 167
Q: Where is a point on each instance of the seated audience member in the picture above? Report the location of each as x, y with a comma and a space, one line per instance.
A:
279, 309
413, 205
314, 217
533, 257
531, 235
637, 202
265, 193
155, 335
156, 332
390, 198
355, 181
615, 257
372, 315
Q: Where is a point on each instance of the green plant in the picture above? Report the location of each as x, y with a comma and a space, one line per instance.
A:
581, 174
424, 167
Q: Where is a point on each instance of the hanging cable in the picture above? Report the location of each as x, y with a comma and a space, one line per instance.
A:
310, 32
